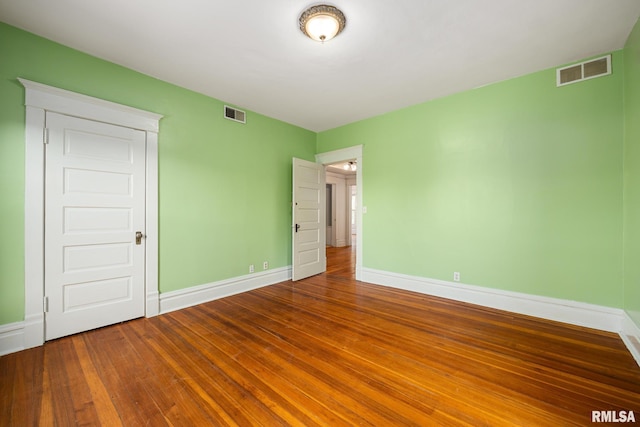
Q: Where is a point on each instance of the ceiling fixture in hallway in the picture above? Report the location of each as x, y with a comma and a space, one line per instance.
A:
350, 166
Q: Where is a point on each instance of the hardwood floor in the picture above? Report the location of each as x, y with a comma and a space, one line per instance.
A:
323, 351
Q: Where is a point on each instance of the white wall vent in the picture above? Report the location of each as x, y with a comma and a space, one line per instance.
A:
584, 71
234, 114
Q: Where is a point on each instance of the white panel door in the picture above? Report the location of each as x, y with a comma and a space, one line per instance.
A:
309, 219
95, 204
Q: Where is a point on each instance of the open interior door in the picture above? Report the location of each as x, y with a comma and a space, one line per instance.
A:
309, 219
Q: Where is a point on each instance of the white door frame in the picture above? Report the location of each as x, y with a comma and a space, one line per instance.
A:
349, 209
334, 213
344, 154
39, 99
331, 227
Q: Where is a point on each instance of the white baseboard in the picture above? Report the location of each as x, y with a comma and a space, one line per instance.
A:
11, 338
630, 334
34, 330
572, 312
195, 295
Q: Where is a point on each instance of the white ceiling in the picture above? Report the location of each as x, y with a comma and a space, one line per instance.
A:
339, 168
392, 54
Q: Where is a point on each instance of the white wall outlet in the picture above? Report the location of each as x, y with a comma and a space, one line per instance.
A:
251, 268
265, 265
456, 276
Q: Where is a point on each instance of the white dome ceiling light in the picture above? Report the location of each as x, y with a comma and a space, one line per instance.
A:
322, 22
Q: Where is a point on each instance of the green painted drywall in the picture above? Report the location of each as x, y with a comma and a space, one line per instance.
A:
516, 185
11, 197
224, 188
632, 175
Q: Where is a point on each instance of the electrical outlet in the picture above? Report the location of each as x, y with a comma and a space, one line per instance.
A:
251, 268
456, 276
265, 265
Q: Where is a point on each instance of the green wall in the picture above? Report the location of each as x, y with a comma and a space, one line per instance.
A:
632, 175
225, 188
516, 185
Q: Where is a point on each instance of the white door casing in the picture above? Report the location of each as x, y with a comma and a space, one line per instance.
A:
338, 182
309, 219
353, 204
40, 99
94, 205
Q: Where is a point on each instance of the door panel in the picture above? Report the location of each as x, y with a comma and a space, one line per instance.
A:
84, 296
96, 256
96, 220
94, 202
309, 219
92, 182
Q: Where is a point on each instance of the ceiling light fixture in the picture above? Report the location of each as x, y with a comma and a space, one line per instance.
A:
322, 22
350, 166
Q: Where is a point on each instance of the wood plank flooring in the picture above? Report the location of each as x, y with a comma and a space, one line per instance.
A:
325, 351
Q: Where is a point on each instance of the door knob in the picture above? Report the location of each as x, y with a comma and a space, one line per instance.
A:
139, 237
297, 227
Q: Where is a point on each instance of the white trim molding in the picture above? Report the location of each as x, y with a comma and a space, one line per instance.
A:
560, 310
183, 298
39, 99
341, 155
62, 101
631, 336
11, 338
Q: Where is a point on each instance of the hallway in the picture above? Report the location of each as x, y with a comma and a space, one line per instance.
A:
341, 262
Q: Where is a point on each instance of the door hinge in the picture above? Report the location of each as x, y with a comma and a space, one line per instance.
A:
45, 305
45, 135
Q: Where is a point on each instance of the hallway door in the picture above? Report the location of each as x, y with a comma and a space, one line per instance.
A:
309, 219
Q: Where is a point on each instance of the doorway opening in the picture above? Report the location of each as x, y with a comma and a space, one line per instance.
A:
341, 203
341, 200
344, 229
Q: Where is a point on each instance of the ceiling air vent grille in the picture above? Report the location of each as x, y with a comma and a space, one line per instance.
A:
584, 71
234, 114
